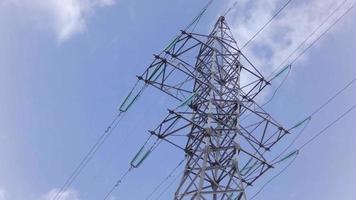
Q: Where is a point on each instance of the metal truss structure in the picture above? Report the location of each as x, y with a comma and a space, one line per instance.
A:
225, 134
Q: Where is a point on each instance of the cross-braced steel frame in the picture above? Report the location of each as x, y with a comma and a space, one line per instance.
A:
227, 136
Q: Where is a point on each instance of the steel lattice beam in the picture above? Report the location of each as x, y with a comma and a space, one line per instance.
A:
227, 135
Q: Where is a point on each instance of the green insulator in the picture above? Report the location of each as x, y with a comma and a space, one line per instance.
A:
296, 152
140, 157
187, 101
249, 168
156, 72
288, 67
301, 123
170, 45
129, 100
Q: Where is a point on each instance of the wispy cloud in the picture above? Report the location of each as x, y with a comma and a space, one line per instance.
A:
65, 17
286, 32
67, 195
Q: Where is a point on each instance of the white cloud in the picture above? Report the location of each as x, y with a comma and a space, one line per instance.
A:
2, 194
106, 2
285, 33
65, 17
67, 195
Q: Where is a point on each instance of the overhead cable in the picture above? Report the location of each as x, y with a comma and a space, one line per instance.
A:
304, 42
266, 24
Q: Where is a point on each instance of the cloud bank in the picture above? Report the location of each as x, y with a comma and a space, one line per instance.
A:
64, 17
285, 33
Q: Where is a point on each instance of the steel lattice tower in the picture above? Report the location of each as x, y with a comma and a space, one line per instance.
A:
227, 135
209, 172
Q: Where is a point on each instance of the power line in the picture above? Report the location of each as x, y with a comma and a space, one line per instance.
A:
278, 87
117, 184
168, 186
310, 45
300, 46
267, 23
100, 141
196, 20
326, 103
342, 116
127, 103
323, 131
92, 151
139, 157
193, 24
230, 9
276, 71
316, 111
325, 32
274, 177
120, 115
333, 97
327, 127
165, 179
299, 134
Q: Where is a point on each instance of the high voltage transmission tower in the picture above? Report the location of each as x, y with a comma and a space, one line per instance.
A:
228, 135
227, 138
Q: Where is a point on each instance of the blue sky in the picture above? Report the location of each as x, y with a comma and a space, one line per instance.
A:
66, 66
